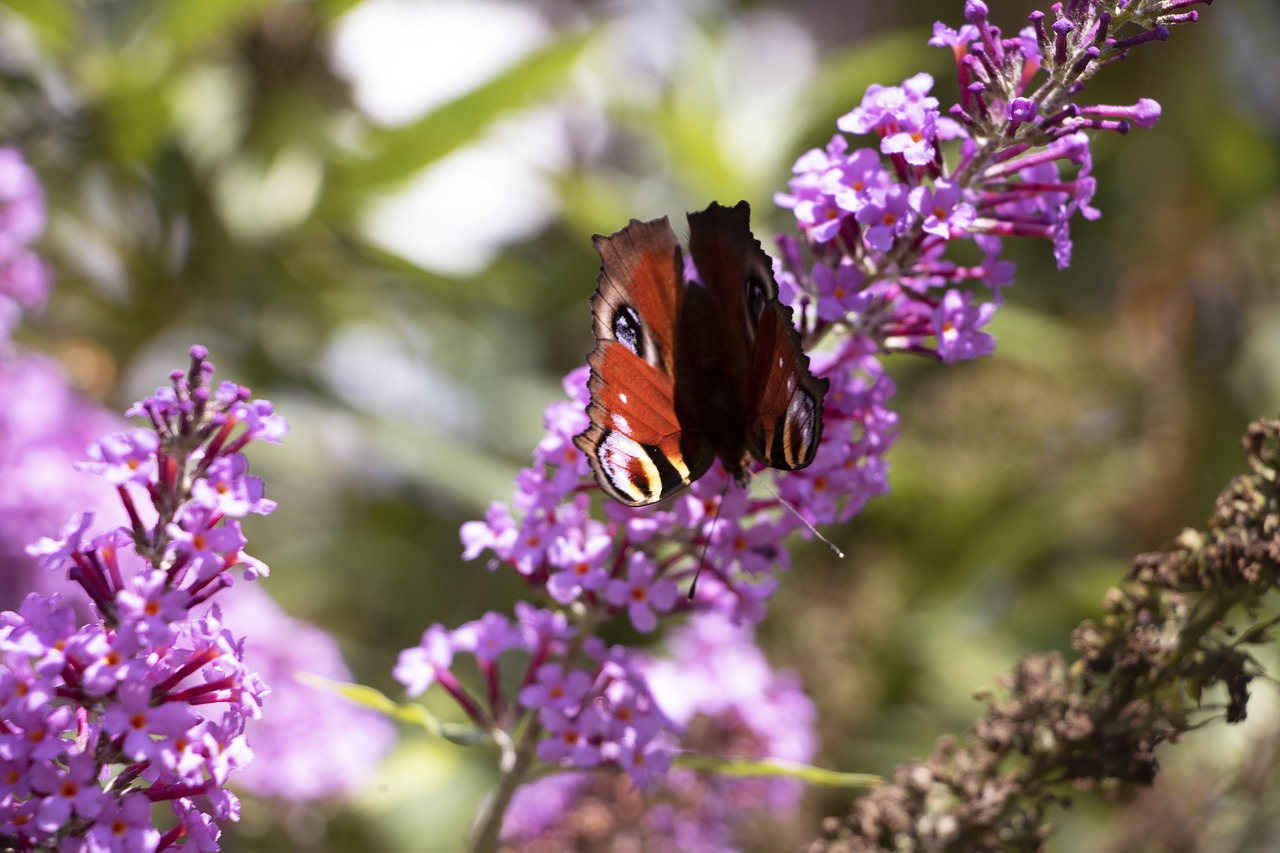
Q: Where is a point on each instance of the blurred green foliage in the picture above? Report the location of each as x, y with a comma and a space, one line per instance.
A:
210, 180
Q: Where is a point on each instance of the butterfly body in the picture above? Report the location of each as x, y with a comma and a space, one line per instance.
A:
687, 371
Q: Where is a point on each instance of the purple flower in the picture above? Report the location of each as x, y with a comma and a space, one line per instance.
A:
886, 216
840, 291
44, 427
68, 790
853, 184
21, 199
717, 673
538, 806
24, 278
754, 549
53, 554
554, 688
1022, 109
151, 607
124, 824
197, 826
197, 538
642, 592
544, 630
107, 658
958, 40
419, 666
579, 562
124, 457
261, 420
915, 141
496, 533
645, 763
137, 670
572, 739
227, 490
147, 730
942, 209
224, 751
35, 734
716, 680
488, 637
959, 327
883, 264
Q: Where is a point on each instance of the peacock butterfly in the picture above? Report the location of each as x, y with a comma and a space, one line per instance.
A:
685, 371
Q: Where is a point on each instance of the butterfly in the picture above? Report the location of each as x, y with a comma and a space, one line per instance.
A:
686, 371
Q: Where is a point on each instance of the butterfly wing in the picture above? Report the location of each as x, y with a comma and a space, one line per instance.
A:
784, 426
780, 400
634, 443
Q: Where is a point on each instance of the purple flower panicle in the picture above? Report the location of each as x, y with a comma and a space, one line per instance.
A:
898, 251
24, 277
719, 694
146, 702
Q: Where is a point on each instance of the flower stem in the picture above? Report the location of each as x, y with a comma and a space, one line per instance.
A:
516, 763
486, 836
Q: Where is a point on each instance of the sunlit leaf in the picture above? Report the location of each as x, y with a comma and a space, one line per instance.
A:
393, 154
186, 25
409, 713
54, 20
776, 767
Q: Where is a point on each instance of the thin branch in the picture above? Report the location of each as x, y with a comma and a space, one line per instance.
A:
1136, 683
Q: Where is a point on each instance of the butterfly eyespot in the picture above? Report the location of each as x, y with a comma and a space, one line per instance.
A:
756, 294
626, 330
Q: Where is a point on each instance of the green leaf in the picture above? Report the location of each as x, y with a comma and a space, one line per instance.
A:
772, 767
394, 154
409, 713
191, 24
52, 19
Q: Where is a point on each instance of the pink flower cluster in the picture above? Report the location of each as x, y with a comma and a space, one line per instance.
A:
882, 226
727, 701
595, 711
146, 702
875, 269
24, 278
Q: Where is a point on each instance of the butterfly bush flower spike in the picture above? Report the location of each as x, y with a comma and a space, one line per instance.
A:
24, 277
713, 360
719, 692
146, 703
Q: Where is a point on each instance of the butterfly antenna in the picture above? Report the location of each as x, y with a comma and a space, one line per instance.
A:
789, 505
702, 558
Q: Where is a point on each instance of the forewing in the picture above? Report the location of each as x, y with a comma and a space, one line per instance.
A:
634, 440
638, 291
733, 266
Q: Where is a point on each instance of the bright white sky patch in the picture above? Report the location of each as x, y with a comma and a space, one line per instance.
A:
406, 57
455, 215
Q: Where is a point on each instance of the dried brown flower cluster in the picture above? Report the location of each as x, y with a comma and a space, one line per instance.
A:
1139, 679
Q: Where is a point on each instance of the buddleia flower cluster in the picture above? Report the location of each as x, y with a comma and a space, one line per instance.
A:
727, 699
146, 702
24, 278
898, 250
881, 226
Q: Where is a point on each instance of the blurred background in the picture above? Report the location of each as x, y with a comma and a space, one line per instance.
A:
378, 215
